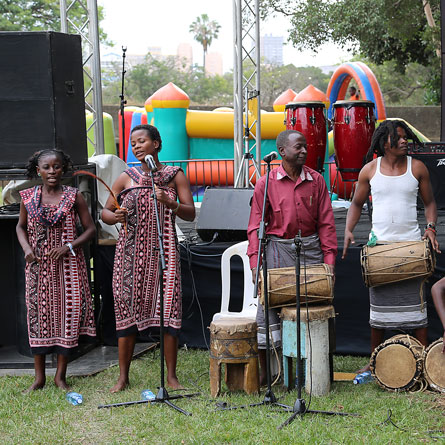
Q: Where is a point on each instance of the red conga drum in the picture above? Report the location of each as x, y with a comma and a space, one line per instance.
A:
309, 119
354, 125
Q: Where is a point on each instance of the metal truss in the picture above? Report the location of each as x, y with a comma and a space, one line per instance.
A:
87, 26
246, 92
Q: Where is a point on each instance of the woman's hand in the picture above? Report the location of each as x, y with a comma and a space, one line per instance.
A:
30, 257
58, 252
121, 215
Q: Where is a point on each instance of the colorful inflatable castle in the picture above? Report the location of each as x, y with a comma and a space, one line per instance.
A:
201, 142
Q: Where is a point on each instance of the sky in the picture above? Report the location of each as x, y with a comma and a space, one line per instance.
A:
139, 24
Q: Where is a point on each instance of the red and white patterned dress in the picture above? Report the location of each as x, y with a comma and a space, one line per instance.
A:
136, 280
57, 294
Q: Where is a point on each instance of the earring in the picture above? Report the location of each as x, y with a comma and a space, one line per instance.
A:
38, 174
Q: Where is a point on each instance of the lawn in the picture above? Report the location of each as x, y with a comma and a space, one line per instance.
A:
45, 417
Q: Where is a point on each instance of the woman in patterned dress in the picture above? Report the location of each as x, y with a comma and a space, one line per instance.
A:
136, 278
58, 298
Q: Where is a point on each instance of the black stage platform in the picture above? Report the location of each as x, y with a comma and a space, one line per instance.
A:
201, 271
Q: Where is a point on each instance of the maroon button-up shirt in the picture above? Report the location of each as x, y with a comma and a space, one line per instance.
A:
292, 206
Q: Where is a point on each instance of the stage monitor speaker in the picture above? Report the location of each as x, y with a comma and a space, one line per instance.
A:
435, 163
226, 212
41, 96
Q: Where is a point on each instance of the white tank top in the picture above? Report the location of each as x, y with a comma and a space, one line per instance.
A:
394, 200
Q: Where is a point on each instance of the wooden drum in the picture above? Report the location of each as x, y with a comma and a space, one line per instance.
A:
391, 262
316, 285
397, 363
233, 341
434, 366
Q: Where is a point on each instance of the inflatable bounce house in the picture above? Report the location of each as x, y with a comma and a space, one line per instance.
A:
201, 142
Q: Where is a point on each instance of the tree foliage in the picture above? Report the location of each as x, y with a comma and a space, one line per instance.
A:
204, 31
39, 15
144, 79
394, 31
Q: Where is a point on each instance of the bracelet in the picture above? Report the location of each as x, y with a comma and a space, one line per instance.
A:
431, 225
175, 210
70, 246
432, 230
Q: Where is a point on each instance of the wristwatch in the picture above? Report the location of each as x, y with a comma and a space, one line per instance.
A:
70, 246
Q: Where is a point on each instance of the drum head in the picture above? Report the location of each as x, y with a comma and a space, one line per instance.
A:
313, 104
434, 366
395, 366
353, 103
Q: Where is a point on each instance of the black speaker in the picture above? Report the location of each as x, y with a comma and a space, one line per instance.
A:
226, 212
41, 96
435, 163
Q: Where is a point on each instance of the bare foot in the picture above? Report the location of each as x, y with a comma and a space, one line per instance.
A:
36, 385
173, 383
120, 385
364, 369
61, 384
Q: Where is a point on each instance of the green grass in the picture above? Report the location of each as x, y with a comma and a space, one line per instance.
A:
44, 417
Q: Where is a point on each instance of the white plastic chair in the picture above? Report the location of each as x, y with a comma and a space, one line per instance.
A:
249, 301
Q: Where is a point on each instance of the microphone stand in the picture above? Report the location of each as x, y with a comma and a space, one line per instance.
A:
123, 102
300, 404
162, 396
269, 397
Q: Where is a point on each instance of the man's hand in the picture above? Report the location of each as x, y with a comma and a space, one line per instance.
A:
349, 239
433, 240
254, 275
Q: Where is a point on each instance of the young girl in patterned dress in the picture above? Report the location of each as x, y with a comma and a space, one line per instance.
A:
58, 298
136, 280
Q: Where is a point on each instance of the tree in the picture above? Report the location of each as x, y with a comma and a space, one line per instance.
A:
39, 15
144, 79
381, 30
204, 30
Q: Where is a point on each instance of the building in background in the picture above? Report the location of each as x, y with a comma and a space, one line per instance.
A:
185, 54
272, 49
214, 63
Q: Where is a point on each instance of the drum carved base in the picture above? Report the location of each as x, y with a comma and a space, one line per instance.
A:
233, 342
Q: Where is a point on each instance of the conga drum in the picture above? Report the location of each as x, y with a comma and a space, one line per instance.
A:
309, 118
397, 363
354, 125
316, 285
434, 366
387, 263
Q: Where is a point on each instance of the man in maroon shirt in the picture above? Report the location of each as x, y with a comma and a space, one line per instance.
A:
298, 200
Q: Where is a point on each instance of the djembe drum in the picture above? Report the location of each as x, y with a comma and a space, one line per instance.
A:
434, 366
354, 125
397, 363
392, 262
316, 285
233, 341
309, 118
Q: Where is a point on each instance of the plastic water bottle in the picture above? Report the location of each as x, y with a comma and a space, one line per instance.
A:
147, 395
74, 398
363, 377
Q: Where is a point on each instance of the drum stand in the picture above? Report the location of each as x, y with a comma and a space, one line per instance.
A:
300, 404
162, 396
269, 397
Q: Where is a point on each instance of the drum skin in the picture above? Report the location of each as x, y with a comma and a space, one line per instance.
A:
309, 118
354, 125
397, 363
393, 262
316, 285
434, 366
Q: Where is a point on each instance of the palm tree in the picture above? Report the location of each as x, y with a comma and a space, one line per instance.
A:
204, 31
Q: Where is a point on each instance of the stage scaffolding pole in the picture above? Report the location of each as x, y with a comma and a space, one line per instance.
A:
246, 92
87, 26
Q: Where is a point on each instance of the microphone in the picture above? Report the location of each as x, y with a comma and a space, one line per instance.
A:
151, 164
270, 157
